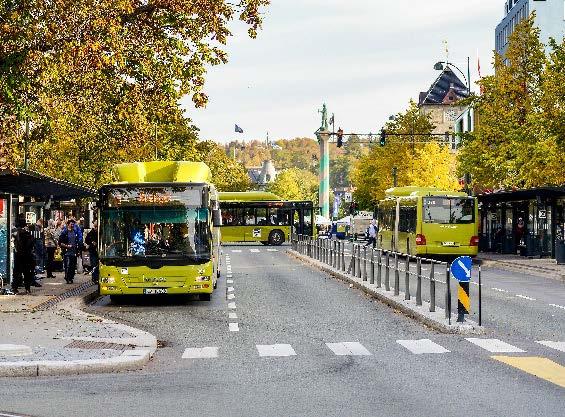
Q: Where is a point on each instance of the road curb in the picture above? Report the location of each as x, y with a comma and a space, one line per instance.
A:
142, 348
435, 320
540, 271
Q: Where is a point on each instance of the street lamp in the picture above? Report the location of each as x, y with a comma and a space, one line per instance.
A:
439, 66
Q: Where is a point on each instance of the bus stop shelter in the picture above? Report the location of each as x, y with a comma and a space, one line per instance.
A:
42, 189
529, 222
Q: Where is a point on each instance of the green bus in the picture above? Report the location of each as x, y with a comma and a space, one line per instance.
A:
264, 217
428, 221
157, 230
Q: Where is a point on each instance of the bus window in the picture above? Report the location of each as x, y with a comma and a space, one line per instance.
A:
261, 214
278, 217
249, 217
445, 210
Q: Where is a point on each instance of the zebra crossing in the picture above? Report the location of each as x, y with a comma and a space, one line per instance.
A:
412, 346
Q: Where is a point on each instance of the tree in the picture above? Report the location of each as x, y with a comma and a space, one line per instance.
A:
101, 81
422, 164
301, 153
515, 142
295, 184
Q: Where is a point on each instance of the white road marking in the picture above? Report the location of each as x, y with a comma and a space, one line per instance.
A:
231, 296
231, 289
272, 250
495, 345
348, 349
275, 350
229, 281
236, 250
232, 316
234, 327
525, 298
498, 289
423, 346
254, 250
554, 345
200, 353
558, 306
231, 306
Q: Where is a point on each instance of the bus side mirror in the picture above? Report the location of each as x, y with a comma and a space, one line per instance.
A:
217, 218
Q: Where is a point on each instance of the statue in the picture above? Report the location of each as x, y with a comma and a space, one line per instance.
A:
324, 113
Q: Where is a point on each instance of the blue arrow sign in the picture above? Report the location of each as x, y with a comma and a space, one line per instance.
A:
461, 268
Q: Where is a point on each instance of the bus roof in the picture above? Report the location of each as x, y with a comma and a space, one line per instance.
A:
413, 191
163, 172
249, 196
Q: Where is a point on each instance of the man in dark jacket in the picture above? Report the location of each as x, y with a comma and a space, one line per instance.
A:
70, 242
91, 241
24, 262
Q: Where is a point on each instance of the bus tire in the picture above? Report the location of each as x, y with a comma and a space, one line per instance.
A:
265, 242
276, 238
117, 299
205, 296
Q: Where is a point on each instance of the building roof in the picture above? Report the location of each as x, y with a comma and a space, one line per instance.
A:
446, 89
33, 184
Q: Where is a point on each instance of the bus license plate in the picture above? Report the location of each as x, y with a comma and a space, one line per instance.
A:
449, 244
154, 291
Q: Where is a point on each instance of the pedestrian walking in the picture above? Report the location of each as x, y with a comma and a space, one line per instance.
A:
91, 241
70, 241
39, 246
80, 266
50, 247
373, 231
24, 261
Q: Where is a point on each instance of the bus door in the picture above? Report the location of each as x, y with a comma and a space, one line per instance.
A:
297, 221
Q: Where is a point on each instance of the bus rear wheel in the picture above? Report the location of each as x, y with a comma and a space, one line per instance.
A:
276, 238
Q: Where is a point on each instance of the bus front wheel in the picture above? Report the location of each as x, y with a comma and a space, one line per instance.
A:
276, 238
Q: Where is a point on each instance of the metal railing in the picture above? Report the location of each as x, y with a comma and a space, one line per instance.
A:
375, 265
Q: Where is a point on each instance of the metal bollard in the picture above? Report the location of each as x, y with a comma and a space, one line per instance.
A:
448, 294
364, 264
419, 282
353, 259
343, 257
372, 280
379, 266
407, 278
432, 289
359, 261
387, 272
396, 275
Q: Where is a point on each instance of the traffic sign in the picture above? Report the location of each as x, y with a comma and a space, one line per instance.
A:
461, 268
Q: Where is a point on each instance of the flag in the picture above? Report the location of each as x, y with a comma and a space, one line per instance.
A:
238, 129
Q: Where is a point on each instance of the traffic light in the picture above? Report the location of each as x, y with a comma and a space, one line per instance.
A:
340, 137
383, 138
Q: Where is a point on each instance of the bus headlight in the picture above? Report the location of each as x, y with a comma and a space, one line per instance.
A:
108, 280
202, 279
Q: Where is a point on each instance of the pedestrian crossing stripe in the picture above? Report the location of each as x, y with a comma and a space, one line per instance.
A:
540, 367
200, 353
495, 345
280, 350
254, 250
553, 345
423, 346
348, 349
272, 250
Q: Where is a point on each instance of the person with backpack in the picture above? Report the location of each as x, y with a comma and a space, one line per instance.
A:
24, 260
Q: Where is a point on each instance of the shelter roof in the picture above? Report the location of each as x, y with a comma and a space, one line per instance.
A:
34, 184
518, 195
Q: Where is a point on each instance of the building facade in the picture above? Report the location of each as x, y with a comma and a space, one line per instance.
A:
440, 102
550, 19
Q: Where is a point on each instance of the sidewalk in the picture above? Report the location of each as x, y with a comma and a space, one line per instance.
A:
47, 333
546, 268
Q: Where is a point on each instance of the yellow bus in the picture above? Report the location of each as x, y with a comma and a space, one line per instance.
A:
428, 221
158, 231
264, 217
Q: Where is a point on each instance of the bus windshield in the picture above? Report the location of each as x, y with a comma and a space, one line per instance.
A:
449, 210
162, 225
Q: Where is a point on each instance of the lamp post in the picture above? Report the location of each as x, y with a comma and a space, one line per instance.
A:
439, 66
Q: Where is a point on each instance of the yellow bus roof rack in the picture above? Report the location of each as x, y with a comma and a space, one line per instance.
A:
413, 191
163, 172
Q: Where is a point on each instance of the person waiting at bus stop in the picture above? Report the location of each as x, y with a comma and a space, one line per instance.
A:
91, 240
373, 231
24, 260
70, 241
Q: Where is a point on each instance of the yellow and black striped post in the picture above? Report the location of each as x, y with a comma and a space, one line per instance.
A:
464, 301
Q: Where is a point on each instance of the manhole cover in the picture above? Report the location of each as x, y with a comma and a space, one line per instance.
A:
83, 344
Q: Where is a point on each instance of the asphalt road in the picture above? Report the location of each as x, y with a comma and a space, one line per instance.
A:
282, 339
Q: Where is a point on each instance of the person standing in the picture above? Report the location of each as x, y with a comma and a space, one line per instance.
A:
373, 231
39, 246
69, 241
24, 262
50, 246
91, 240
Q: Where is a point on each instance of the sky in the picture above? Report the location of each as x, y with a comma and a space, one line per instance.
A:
364, 58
